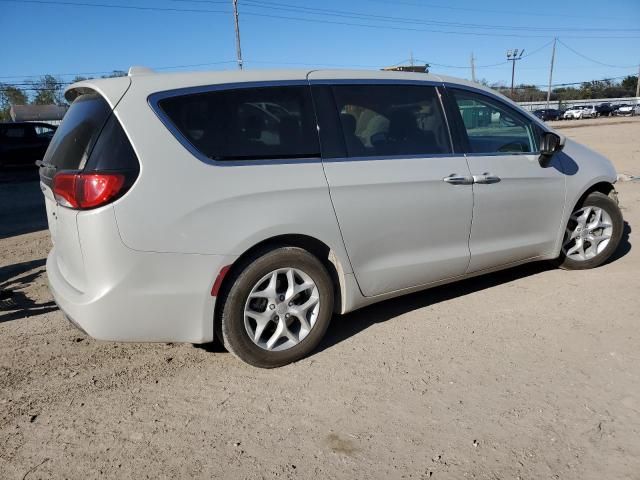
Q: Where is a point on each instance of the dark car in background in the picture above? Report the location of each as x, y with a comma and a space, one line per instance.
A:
22, 143
545, 114
605, 109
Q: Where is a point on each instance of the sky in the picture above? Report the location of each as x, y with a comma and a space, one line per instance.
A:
597, 39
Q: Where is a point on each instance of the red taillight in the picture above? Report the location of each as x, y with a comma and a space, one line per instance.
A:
87, 190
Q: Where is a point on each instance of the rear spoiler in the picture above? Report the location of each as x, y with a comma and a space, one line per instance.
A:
111, 89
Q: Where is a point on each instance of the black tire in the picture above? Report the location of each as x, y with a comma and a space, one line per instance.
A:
609, 204
231, 319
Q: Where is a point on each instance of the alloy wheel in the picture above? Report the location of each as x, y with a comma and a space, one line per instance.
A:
281, 309
588, 233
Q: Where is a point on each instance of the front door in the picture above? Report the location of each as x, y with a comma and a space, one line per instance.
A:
403, 200
518, 204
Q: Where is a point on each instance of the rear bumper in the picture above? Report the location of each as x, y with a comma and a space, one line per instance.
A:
128, 295
158, 298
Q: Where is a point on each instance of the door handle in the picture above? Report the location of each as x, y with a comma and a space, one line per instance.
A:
486, 178
455, 179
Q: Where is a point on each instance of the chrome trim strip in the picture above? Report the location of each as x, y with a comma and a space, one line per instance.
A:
502, 154
393, 157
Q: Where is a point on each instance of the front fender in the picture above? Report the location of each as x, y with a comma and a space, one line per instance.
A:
583, 168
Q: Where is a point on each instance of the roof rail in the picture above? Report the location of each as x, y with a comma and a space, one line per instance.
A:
139, 70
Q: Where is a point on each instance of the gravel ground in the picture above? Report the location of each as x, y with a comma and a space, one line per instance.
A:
529, 373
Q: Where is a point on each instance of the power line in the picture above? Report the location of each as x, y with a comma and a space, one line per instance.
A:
126, 7
271, 62
387, 18
489, 65
448, 7
4, 87
542, 86
447, 32
80, 74
593, 60
308, 20
484, 10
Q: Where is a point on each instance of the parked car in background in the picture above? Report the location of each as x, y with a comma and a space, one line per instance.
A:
617, 107
573, 113
546, 114
631, 110
22, 143
589, 111
359, 187
605, 109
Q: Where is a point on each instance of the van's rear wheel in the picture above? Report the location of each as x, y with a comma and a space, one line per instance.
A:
278, 308
593, 233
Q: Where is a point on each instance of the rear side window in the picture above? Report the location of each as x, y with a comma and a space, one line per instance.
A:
387, 120
247, 124
72, 143
112, 150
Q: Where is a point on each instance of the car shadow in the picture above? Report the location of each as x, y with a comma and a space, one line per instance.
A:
355, 322
625, 245
14, 280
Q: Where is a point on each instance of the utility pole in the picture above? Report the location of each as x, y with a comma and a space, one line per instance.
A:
238, 49
638, 83
473, 68
553, 58
512, 56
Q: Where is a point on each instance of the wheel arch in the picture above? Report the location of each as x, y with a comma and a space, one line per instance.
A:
316, 247
602, 185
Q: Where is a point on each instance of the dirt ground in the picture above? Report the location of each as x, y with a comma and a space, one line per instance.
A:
532, 373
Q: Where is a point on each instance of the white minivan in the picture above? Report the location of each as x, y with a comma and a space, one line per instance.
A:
253, 206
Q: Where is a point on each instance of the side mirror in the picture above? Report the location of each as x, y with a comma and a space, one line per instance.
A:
550, 143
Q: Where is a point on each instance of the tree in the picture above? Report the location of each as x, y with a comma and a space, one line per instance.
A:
115, 73
48, 91
629, 84
10, 95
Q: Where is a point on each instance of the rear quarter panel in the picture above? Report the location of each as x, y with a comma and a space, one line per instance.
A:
180, 204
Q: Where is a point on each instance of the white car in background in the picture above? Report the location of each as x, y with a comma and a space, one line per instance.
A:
589, 111
573, 113
629, 110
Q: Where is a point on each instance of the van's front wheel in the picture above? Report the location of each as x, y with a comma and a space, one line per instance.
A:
592, 234
277, 308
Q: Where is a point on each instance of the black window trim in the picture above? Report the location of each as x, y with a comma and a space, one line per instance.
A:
154, 99
459, 132
327, 119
